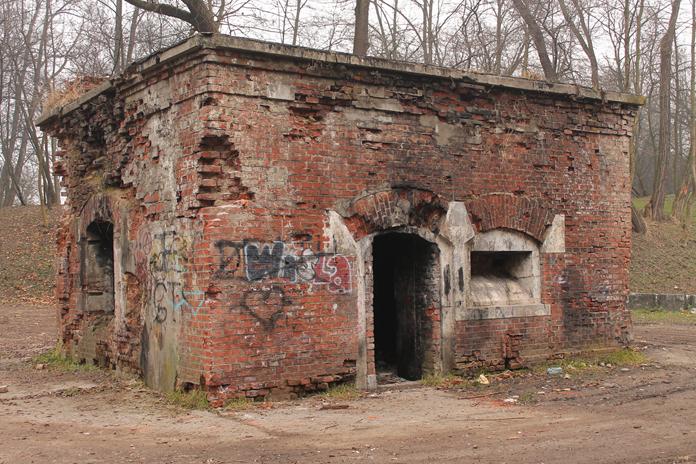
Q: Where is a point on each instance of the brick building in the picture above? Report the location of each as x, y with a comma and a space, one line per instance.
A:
261, 219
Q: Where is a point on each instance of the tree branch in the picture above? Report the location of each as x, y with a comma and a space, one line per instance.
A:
161, 8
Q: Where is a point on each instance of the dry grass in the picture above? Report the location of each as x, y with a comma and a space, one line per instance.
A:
239, 404
57, 360
342, 392
664, 259
649, 316
27, 254
71, 91
194, 399
623, 357
528, 398
439, 380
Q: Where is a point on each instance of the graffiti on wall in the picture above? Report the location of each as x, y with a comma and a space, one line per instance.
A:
167, 253
168, 263
267, 305
170, 295
257, 261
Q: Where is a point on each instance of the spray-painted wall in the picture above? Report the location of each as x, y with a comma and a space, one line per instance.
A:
246, 183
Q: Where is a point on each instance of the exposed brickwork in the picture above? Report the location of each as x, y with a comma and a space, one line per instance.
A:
381, 210
220, 172
510, 212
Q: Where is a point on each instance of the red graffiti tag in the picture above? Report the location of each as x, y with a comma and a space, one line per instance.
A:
334, 270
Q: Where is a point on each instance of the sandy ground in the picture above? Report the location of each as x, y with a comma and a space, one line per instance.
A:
640, 415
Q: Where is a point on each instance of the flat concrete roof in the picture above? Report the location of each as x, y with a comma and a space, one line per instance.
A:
225, 42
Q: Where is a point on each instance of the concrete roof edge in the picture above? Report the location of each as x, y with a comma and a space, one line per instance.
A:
490, 80
219, 41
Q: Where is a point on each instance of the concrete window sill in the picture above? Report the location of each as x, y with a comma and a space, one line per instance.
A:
505, 311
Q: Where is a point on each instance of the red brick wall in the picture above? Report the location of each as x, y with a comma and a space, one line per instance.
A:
246, 174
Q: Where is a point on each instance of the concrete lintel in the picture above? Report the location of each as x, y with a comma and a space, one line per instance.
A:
504, 240
505, 312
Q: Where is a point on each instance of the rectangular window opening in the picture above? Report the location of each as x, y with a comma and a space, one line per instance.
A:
501, 278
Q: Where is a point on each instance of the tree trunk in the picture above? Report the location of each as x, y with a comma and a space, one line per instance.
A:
656, 206
132, 34
497, 65
626, 78
118, 38
684, 197
361, 39
676, 127
637, 221
296, 23
538, 38
202, 15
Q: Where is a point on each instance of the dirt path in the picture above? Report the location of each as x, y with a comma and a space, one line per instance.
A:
645, 414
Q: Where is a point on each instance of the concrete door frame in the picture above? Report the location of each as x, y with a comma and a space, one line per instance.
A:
366, 375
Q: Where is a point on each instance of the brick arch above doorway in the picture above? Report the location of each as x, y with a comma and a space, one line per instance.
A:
394, 208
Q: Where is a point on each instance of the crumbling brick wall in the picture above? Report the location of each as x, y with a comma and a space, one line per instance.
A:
245, 184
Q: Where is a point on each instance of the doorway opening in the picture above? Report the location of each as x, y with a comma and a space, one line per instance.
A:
406, 305
98, 267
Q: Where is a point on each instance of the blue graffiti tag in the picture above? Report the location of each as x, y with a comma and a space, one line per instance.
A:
182, 300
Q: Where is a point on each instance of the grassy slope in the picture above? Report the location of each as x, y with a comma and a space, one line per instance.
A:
27, 248
664, 259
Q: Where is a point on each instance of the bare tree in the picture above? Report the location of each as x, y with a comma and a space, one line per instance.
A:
389, 37
583, 32
656, 207
537, 36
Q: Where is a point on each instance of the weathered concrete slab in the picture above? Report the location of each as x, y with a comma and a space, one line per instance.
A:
663, 301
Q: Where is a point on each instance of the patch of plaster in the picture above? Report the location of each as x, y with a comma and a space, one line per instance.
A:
554, 238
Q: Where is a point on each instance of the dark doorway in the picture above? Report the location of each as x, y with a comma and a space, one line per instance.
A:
98, 267
405, 297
